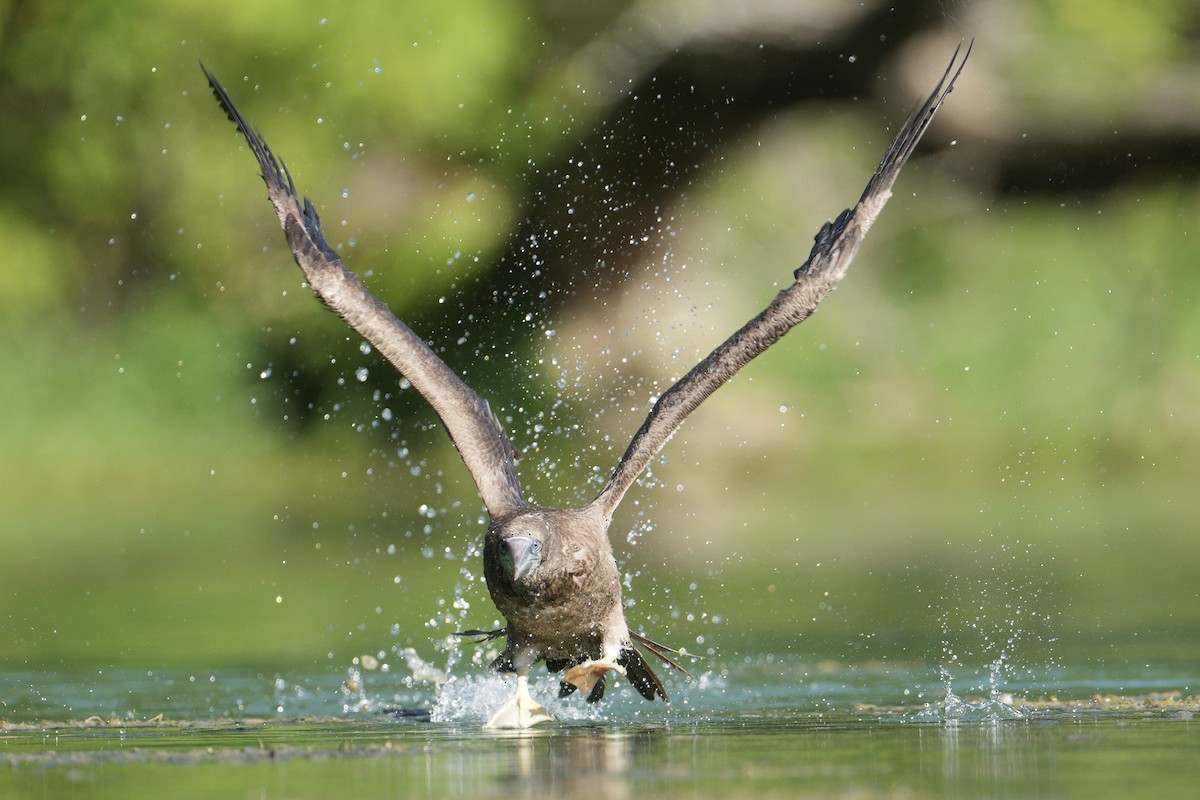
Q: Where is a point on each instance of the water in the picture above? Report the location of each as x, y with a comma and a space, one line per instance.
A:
761, 726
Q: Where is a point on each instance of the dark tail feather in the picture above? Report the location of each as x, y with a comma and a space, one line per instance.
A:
661, 651
637, 671
640, 675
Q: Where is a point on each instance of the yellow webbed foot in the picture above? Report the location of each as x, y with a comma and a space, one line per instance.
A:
520, 712
585, 676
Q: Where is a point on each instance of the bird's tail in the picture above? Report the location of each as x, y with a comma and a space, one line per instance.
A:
666, 654
639, 672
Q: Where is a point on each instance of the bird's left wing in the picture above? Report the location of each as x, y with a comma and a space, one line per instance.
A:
480, 438
834, 248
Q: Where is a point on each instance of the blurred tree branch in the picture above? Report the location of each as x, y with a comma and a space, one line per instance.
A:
585, 214
681, 93
101, 151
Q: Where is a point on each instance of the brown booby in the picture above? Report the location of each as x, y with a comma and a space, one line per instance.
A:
551, 571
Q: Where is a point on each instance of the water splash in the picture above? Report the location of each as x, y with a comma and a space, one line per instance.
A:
473, 699
413, 692
998, 705
994, 627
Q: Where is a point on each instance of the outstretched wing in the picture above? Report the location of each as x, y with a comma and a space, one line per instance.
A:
833, 250
478, 435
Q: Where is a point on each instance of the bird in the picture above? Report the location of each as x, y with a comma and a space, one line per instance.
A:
551, 572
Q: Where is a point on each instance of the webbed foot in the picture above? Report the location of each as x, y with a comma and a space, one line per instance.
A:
520, 712
585, 676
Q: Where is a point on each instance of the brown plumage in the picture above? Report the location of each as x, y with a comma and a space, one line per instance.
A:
551, 572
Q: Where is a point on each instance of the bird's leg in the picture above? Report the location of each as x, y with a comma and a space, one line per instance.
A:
522, 711
584, 676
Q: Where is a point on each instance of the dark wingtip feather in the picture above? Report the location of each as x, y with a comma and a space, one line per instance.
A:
305, 234
274, 173
919, 120
222, 96
897, 155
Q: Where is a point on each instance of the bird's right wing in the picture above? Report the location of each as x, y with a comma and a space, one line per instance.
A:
480, 438
834, 248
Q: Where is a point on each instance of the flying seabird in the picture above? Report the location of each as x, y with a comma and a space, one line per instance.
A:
551, 571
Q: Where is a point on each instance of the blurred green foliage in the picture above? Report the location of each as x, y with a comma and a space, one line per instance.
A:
1001, 407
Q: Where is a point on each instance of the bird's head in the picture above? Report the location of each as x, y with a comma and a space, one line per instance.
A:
520, 555
538, 546
516, 549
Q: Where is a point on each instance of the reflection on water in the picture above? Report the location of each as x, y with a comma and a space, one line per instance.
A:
989, 752
580, 763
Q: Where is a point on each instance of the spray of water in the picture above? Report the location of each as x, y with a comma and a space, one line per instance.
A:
993, 630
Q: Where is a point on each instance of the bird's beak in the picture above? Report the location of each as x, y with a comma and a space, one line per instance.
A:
522, 554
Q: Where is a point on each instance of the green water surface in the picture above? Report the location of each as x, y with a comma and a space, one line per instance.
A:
765, 727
